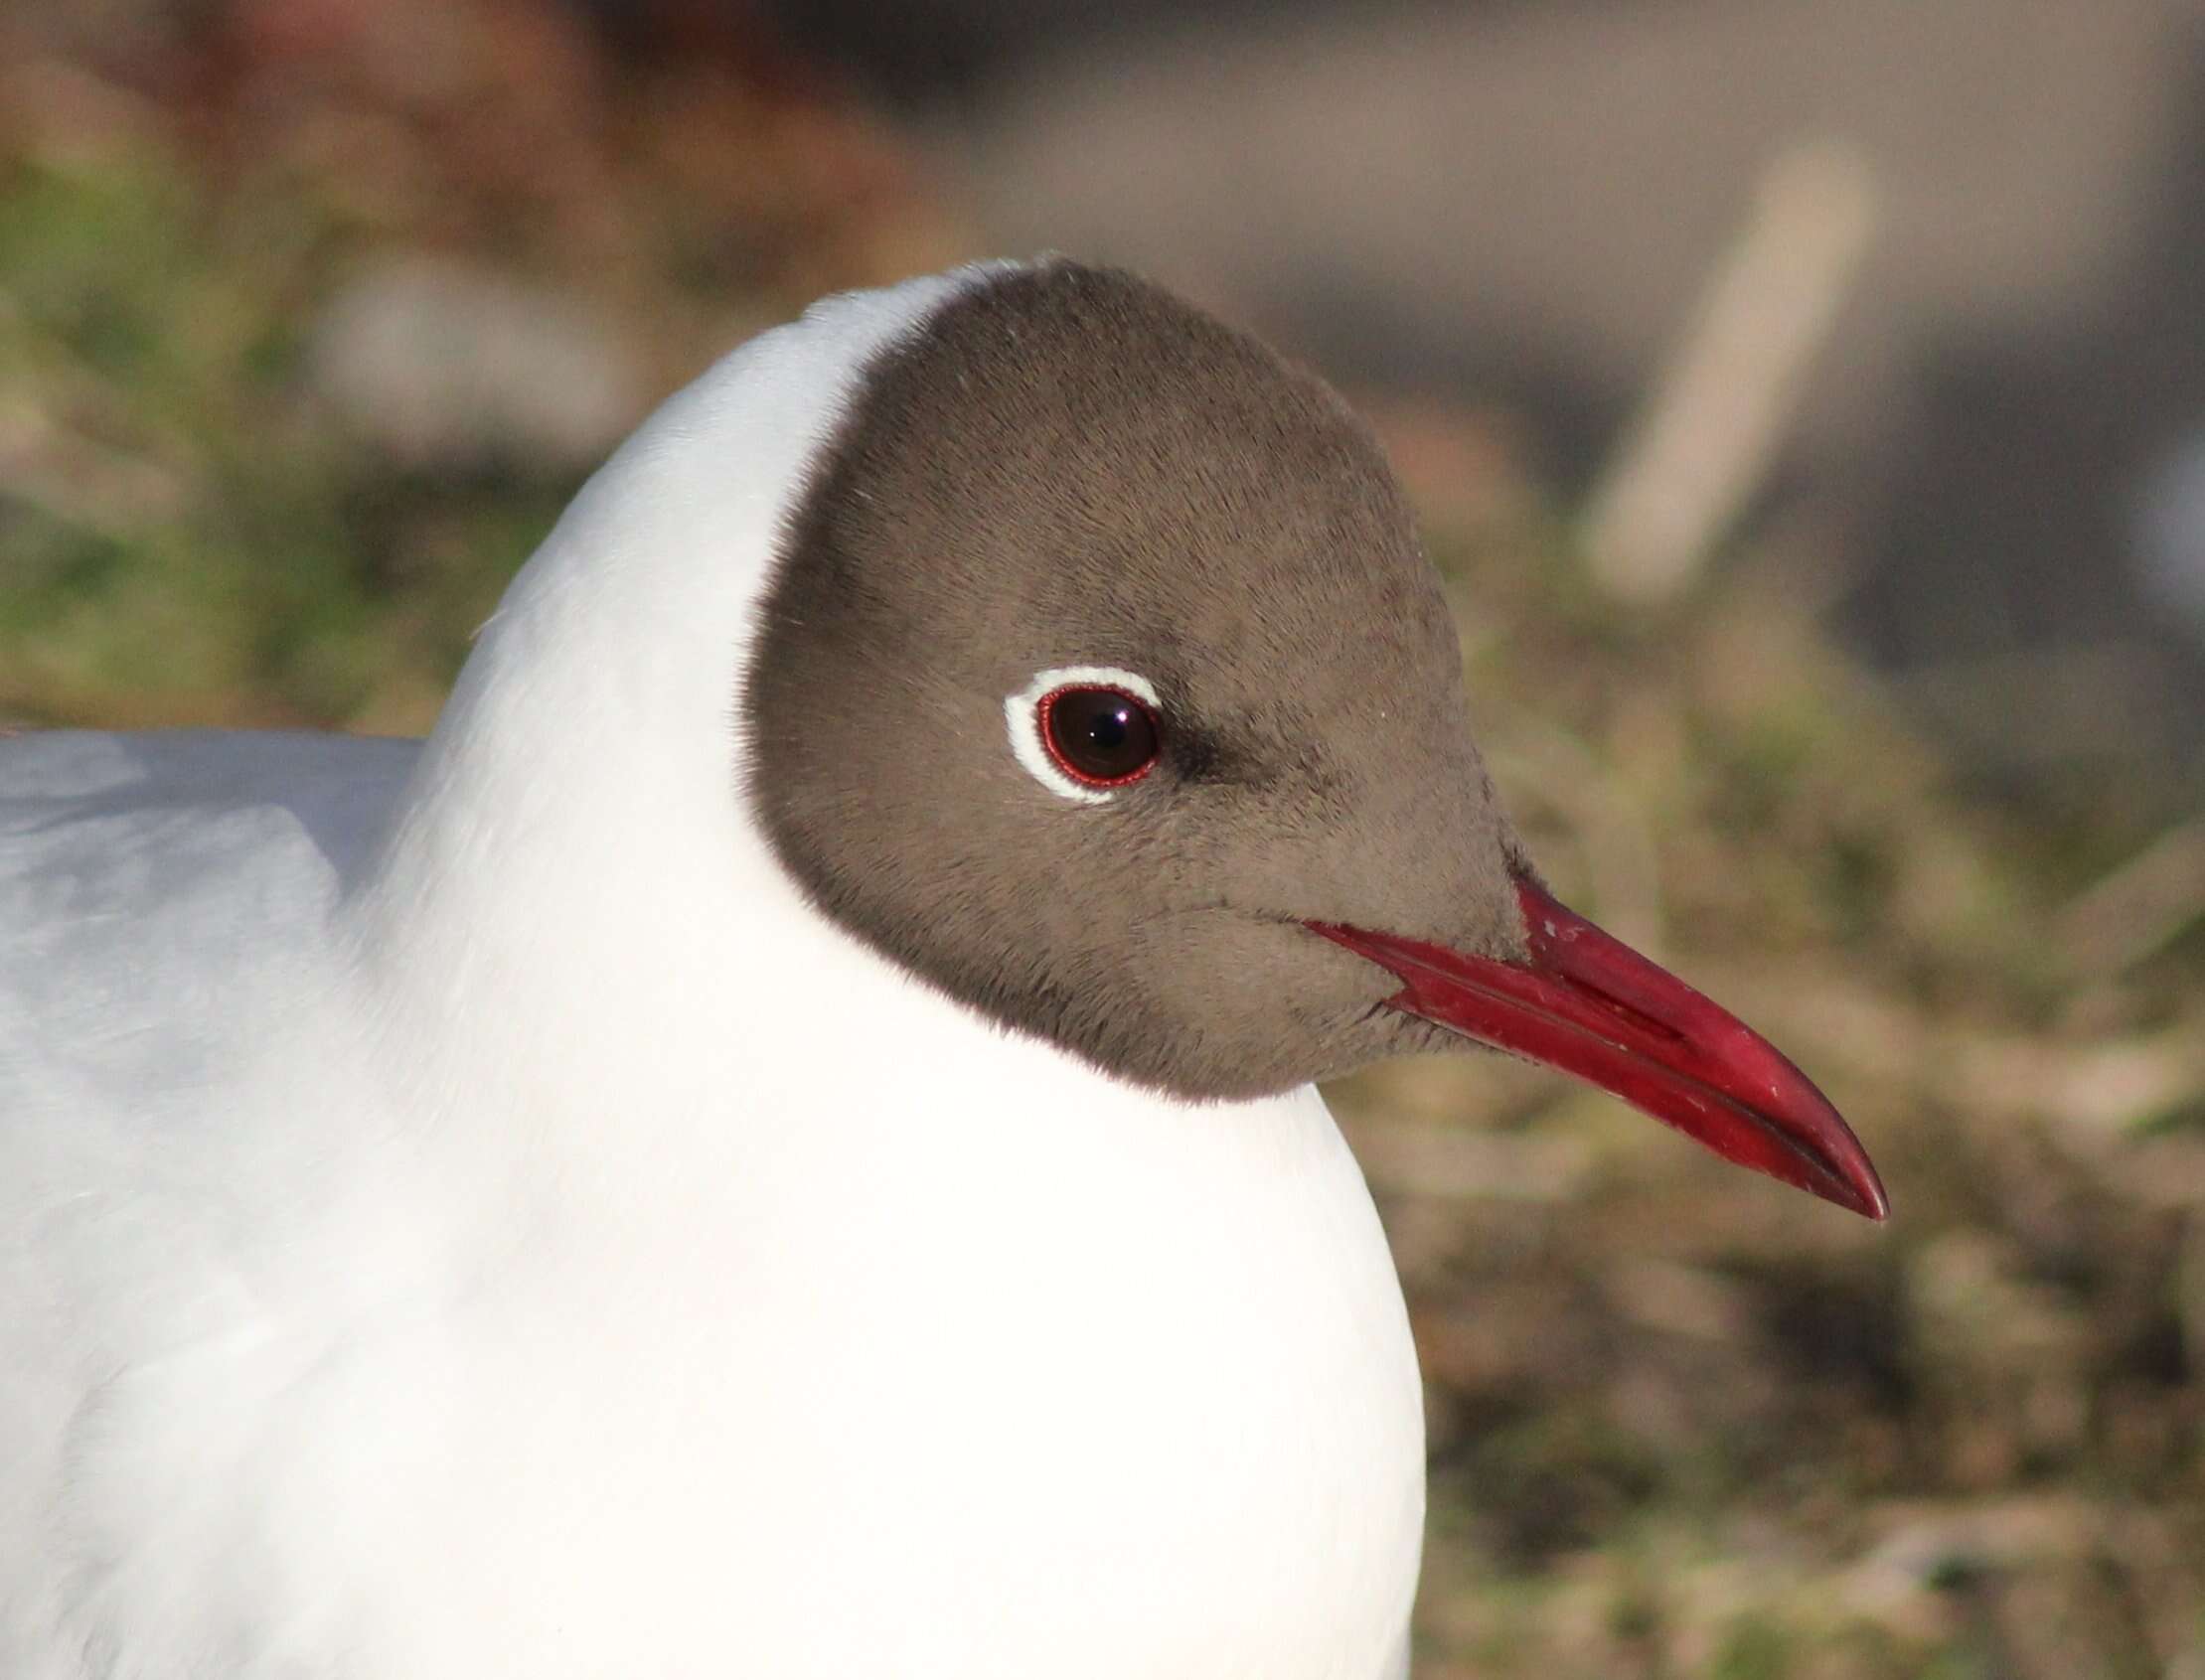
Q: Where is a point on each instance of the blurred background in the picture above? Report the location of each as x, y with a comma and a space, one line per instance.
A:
1807, 405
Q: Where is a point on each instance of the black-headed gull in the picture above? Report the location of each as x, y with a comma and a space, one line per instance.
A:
780, 1144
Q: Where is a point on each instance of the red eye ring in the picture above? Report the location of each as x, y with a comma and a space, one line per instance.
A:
1099, 734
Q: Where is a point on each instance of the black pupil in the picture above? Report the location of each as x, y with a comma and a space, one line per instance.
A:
1102, 735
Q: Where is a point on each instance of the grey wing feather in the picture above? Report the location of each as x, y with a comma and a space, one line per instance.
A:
159, 895
138, 871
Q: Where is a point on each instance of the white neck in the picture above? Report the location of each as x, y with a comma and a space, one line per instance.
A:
578, 871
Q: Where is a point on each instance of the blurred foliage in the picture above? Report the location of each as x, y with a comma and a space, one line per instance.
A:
194, 526
1683, 1423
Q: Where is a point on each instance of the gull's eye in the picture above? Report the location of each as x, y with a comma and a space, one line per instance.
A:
1085, 730
1100, 737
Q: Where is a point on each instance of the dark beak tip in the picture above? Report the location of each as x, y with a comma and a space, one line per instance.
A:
1868, 1198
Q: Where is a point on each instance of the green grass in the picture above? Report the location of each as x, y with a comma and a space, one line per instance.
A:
190, 537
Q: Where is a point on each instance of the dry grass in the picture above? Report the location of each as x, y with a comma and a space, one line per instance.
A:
1686, 1423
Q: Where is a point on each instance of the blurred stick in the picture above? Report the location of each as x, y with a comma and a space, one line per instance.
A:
2142, 907
1706, 437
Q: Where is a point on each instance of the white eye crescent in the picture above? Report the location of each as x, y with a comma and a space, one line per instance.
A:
1084, 731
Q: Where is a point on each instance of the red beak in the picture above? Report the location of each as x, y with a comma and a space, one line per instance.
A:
1591, 1007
